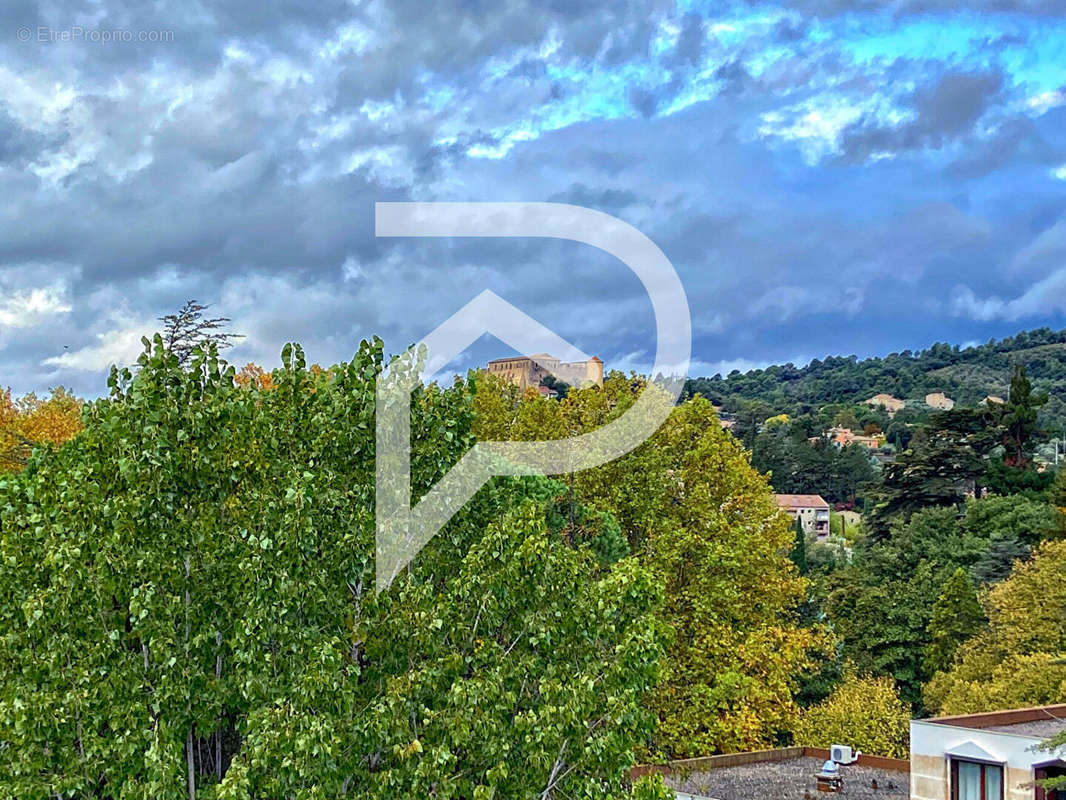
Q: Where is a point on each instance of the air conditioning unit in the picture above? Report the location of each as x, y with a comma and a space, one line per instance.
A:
842, 754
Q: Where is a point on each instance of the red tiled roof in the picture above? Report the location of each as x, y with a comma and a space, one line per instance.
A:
801, 501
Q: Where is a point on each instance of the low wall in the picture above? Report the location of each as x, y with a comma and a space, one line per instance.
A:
708, 763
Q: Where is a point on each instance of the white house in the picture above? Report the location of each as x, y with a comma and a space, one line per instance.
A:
810, 509
991, 756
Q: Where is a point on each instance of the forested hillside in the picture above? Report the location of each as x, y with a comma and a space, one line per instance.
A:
967, 375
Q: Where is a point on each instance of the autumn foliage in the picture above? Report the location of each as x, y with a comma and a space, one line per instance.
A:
692, 508
31, 421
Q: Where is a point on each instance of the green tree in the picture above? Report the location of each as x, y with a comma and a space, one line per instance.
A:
956, 617
186, 608
799, 547
1019, 418
1017, 660
864, 712
944, 463
693, 510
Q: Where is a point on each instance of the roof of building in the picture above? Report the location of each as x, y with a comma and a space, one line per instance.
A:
801, 501
1038, 722
509, 358
787, 773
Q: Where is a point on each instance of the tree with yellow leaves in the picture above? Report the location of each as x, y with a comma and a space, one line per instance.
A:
1018, 659
30, 422
691, 507
253, 375
864, 712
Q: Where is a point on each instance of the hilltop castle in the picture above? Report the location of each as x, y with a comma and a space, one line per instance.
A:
526, 371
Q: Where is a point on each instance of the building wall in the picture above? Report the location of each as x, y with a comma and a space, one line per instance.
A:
525, 372
931, 741
809, 519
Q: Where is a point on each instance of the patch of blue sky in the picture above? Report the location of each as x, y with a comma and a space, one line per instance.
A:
1031, 53
594, 94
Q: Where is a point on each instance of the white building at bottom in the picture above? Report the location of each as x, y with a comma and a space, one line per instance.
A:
993, 756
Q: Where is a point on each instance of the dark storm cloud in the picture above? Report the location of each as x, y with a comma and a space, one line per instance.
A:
17, 143
944, 110
240, 164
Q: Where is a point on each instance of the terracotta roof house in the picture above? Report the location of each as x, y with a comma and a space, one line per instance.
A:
810, 509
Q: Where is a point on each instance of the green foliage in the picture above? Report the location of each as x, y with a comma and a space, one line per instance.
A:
798, 556
1017, 660
1003, 479
691, 507
797, 466
943, 464
882, 604
1019, 418
864, 712
956, 617
186, 608
966, 374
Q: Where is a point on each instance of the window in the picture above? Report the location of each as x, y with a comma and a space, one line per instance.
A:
971, 780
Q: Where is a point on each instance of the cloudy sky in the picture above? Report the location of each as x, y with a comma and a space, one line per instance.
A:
827, 176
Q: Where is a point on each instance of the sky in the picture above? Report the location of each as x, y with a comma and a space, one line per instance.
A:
827, 176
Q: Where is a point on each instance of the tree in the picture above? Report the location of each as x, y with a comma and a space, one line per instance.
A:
188, 329
1017, 660
956, 617
1057, 499
941, 467
1019, 418
864, 712
187, 608
799, 547
561, 387
694, 511
882, 606
254, 375
31, 422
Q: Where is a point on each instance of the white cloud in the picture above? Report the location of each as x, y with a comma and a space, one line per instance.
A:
1046, 100
1047, 296
24, 308
790, 302
120, 343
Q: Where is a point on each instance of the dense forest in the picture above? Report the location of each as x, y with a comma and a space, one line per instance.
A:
967, 375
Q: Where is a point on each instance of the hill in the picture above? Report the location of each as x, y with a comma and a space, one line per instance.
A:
967, 375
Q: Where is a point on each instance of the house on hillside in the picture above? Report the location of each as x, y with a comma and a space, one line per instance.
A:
810, 509
992, 756
939, 401
887, 402
842, 437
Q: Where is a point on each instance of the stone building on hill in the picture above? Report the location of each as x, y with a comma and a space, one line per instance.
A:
526, 371
887, 402
939, 401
